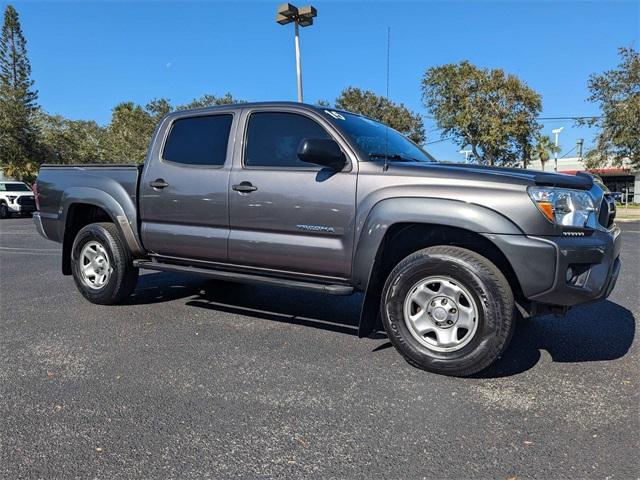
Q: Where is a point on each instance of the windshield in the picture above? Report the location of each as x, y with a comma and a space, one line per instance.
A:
378, 140
14, 187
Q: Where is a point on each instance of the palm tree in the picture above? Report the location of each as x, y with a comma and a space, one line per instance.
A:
544, 149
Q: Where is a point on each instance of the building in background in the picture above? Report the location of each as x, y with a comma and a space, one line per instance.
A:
618, 179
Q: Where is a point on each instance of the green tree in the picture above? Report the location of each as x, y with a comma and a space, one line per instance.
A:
128, 134
397, 116
71, 141
617, 92
124, 140
492, 112
19, 148
543, 149
211, 101
158, 108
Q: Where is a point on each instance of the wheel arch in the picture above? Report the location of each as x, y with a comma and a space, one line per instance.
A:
418, 223
84, 205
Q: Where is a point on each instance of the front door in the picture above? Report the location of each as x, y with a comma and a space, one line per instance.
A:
184, 190
286, 214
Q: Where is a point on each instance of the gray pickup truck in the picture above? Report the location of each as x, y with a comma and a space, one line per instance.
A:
447, 255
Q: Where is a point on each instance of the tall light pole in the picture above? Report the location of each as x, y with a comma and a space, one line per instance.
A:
302, 17
557, 131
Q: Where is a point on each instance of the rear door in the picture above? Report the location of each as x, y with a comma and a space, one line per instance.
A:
285, 214
184, 189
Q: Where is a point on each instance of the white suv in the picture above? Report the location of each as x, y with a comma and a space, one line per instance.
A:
15, 197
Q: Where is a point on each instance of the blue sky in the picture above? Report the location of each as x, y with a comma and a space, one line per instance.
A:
88, 56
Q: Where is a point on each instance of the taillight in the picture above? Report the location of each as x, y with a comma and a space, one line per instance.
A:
36, 194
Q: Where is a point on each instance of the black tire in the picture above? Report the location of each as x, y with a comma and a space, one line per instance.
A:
4, 211
124, 276
486, 285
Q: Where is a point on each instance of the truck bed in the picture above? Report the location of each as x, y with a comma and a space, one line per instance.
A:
61, 185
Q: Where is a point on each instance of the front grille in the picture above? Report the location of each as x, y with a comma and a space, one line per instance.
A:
26, 201
607, 213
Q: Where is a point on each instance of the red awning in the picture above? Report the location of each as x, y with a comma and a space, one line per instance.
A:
600, 171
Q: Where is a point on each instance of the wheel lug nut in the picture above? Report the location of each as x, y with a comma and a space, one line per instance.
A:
453, 310
449, 322
444, 301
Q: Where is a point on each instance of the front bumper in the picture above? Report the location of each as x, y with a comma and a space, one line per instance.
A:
13, 208
564, 271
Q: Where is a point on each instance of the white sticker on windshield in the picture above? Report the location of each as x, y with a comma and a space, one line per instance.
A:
335, 115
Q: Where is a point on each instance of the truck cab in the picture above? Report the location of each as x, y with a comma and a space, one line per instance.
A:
243, 197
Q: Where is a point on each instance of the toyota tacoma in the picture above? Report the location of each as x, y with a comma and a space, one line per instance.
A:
446, 255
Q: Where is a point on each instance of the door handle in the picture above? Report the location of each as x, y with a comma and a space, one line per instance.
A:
158, 183
244, 187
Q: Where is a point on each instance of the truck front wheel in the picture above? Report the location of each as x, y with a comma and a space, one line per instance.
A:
102, 265
448, 310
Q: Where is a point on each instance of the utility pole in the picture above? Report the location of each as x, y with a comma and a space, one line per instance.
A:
579, 144
302, 17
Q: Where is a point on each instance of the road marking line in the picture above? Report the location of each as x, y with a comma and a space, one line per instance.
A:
30, 249
30, 253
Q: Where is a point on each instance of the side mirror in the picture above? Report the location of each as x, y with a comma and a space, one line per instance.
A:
323, 152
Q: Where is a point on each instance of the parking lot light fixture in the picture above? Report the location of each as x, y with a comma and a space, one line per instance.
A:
301, 17
467, 154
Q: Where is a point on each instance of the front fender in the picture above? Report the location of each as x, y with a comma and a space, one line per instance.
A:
393, 211
435, 211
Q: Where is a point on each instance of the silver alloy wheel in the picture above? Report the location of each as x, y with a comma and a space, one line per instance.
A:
95, 268
441, 314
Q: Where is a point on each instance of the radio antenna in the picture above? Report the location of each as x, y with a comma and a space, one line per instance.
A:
386, 142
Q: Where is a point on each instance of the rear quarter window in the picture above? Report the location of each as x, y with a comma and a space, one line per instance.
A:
200, 141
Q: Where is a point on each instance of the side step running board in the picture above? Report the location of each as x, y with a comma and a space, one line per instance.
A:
246, 278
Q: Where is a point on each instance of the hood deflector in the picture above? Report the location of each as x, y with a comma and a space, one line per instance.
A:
580, 180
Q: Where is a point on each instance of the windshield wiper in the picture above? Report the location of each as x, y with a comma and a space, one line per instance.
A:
393, 156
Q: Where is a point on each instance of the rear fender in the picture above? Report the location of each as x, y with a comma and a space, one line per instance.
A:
121, 211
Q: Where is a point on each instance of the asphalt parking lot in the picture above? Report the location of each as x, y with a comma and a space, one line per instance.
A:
199, 379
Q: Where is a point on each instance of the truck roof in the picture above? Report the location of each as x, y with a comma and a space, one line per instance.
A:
298, 105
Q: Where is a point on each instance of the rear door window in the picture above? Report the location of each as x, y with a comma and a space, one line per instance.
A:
200, 141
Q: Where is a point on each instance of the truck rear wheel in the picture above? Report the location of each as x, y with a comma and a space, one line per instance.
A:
448, 310
102, 265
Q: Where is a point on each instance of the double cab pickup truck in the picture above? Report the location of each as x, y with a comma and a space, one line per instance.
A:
447, 256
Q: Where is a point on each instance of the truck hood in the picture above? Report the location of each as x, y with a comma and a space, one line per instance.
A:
17, 194
580, 181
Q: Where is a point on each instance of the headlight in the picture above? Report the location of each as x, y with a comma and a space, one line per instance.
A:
564, 206
11, 198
